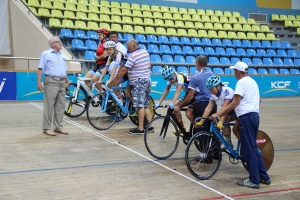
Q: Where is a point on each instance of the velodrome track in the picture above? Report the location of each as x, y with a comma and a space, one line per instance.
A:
112, 164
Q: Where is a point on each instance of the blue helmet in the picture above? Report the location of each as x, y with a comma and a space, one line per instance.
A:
213, 81
167, 72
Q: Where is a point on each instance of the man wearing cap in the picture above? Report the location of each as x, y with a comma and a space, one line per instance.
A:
245, 103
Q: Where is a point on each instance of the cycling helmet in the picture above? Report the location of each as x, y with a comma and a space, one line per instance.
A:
109, 44
167, 72
103, 31
213, 81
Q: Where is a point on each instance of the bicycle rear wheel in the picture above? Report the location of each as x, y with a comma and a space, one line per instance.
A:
203, 155
265, 145
160, 141
135, 119
97, 117
75, 108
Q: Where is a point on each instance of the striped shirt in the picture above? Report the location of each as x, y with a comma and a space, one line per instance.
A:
139, 65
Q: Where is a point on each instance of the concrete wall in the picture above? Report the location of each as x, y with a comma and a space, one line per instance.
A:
29, 39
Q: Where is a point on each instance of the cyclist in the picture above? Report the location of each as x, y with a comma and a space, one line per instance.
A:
101, 57
181, 82
222, 96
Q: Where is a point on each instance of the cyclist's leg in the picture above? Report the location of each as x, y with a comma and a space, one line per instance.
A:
90, 74
178, 114
189, 113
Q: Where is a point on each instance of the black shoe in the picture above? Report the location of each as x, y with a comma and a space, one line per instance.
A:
137, 131
151, 129
248, 183
268, 182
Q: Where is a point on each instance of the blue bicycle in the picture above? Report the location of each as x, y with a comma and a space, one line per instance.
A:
104, 109
203, 154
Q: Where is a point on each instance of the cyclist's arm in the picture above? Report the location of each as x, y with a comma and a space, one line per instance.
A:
226, 103
116, 66
234, 103
103, 74
166, 92
177, 93
119, 75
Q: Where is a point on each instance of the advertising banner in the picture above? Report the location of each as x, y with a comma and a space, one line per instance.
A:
8, 86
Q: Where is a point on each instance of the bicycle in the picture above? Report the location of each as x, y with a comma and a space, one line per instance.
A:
77, 95
203, 153
163, 144
104, 109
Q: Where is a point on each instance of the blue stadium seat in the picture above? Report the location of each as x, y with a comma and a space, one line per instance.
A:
292, 53
257, 61
128, 36
266, 44
141, 38
277, 61
188, 50
234, 60
209, 69
273, 71
276, 44
175, 49
162, 39
271, 53
228, 71
174, 40
185, 41
288, 61
226, 42
80, 34
93, 35
217, 42
167, 59
91, 45
153, 48
156, 69
152, 39
119, 35
179, 59
209, 51
198, 51
218, 70
251, 52
90, 55
256, 44
262, 71
213, 61
295, 71
230, 52
182, 69
252, 71
297, 62
281, 53
286, 45
165, 49
241, 52
78, 45
190, 59
154, 58
261, 52
193, 70
247, 44
66, 33
247, 61
284, 71
206, 42
141, 46
196, 41
220, 51
236, 43
225, 61
267, 61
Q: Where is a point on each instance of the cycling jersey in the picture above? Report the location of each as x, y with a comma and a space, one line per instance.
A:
225, 93
182, 79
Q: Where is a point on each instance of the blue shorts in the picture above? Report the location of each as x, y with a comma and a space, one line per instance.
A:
141, 92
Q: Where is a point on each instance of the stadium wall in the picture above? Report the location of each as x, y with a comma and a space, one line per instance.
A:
23, 85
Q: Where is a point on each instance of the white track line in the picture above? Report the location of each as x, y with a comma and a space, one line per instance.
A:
137, 153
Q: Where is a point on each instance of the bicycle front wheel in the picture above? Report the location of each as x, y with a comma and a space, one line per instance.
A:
203, 155
99, 119
160, 141
76, 105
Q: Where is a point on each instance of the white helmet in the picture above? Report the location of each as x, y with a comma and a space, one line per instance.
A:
110, 44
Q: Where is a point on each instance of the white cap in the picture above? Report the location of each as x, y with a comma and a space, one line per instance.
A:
241, 66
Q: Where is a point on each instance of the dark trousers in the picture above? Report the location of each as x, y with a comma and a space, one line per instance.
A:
248, 125
198, 111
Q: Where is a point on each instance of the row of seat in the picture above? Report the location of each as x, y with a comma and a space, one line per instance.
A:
292, 24
156, 69
282, 18
92, 4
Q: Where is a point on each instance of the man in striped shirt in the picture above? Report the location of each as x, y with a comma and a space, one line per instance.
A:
138, 69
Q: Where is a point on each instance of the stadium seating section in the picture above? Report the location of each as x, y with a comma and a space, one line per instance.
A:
173, 35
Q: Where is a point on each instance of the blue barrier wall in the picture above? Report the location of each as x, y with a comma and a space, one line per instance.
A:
23, 85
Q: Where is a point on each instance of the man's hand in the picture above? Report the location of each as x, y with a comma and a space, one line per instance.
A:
67, 84
40, 86
214, 116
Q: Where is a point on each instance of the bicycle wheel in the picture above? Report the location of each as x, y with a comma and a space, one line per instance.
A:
265, 145
160, 141
97, 117
75, 108
203, 155
135, 119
